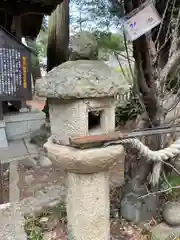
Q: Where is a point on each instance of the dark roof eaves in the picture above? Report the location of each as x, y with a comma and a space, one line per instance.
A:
16, 39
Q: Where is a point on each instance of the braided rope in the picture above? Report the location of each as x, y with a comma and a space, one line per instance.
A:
161, 155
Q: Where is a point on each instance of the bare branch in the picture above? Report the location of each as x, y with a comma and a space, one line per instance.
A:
174, 104
159, 192
163, 17
166, 180
170, 165
124, 56
175, 40
120, 65
127, 53
170, 67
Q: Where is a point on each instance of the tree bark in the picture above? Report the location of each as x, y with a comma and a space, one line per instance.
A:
146, 85
58, 39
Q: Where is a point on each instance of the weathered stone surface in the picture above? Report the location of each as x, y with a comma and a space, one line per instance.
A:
12, 223
88, 206
29, 162
71, 119
29, 179
81, 79
11, 215
171, 214
51, 196
22, 125
164, 232
135, 209
83, 45
44, 161
84, 161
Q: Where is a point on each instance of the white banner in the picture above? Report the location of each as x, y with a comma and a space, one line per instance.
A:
141, 22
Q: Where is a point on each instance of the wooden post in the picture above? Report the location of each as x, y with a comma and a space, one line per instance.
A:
16, 30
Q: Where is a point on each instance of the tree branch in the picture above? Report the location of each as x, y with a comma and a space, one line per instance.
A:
170, 67
159, 192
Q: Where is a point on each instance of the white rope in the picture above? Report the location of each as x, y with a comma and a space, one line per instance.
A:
161, 155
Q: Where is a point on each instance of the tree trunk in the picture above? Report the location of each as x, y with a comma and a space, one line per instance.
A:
145, 82
58, 39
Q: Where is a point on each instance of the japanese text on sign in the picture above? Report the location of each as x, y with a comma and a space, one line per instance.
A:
24, 68
13, 71
141, 23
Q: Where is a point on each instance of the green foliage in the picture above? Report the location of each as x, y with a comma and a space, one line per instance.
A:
173, 84
38, 47
59, 211
173, 194
109, 41
33, 226
129, 111
33, 229
96, 14
34, 52
41, 43
116, 8
46, 110
92, 14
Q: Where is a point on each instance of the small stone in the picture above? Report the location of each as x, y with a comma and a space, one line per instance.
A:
29, 179
171, 214
44, 222
29, 162
24, 110
83, 45
45, 161
43, 219
133, 208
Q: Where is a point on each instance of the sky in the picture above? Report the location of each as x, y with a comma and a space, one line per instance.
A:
74, 27
75, 14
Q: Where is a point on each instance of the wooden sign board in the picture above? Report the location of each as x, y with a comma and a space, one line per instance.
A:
15, 69
141, 22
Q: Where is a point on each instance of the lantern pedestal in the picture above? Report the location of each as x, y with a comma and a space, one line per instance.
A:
87, 204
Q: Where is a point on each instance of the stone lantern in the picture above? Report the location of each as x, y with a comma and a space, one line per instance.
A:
81, 96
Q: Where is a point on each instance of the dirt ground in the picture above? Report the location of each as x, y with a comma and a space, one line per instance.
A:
52, 225
33, 179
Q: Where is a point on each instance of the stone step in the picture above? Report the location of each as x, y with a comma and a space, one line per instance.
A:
12, 214
165, 232
18, 150
12, 224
